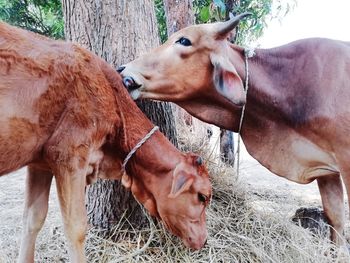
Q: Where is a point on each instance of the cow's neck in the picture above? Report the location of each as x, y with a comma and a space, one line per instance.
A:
271, 100
152, 166
134, 127
153, 163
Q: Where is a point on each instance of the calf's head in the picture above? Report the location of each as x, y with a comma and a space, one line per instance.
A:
193, 63
179, 197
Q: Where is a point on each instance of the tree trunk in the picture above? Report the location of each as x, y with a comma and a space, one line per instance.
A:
118, 31
227, 148
179, 14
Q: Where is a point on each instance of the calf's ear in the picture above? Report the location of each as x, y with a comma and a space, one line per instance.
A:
182, 182
126, 180
226, 80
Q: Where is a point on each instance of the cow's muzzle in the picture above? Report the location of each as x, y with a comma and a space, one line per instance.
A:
130, 83
120, 69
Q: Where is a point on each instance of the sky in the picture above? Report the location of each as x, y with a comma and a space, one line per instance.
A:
310, 18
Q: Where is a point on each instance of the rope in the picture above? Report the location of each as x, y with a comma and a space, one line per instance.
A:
137, 146
248, 53
151, 224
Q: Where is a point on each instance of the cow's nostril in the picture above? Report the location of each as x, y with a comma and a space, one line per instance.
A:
130, 83
120, 69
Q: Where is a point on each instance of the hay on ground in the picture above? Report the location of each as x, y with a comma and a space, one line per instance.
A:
237, 231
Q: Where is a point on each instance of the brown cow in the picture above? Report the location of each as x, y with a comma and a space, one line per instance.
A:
65, 112
297, 117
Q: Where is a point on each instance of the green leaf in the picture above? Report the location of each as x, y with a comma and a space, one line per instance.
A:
41, 16
204, 14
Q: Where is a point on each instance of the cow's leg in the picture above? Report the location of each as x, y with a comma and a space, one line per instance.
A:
331, 191
345, 174
343, 160
37, 191
67, 153
71, 194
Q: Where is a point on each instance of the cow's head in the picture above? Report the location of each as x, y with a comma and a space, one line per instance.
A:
192, 64
177, 195
179, 198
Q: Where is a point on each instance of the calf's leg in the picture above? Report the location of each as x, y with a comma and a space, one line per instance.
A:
71, 194
37, 192
67, 153
331, 191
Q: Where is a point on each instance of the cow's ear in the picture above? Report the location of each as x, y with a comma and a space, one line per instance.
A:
126, 180
182, 182
226, 80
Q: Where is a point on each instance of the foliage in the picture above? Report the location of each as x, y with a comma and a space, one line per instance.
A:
41, 16
160, 13
249, 29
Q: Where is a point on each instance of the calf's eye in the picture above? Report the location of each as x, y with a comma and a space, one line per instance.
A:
184, 41
202, 198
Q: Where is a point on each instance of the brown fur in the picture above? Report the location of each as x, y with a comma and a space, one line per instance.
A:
297, 118
64, 112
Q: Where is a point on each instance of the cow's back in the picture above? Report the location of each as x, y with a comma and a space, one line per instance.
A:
41, 80
23, 79
330, 80
312, 84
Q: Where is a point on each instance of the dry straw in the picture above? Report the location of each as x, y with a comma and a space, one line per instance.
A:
237, 231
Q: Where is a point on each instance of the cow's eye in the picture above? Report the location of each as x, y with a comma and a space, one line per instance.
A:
202, 198
184, 41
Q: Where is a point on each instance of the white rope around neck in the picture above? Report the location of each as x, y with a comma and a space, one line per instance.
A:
151, 223
137, 146
248, 53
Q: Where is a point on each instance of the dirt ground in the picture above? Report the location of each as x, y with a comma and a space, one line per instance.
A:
11, 209
270, 194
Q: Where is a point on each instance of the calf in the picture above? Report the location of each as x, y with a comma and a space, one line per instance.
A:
64, 113
296, 118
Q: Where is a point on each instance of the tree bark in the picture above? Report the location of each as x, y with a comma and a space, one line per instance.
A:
227, 148
118, 31
179, 14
